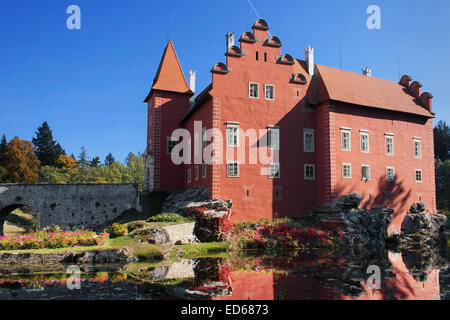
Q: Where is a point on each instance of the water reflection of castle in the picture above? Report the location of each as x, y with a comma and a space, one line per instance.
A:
402, 284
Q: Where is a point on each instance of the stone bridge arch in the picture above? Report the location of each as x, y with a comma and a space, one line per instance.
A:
70, 205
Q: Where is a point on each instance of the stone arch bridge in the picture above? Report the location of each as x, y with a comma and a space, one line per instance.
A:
70, 205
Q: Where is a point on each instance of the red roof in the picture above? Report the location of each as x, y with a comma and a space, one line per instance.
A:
170, 76
358, 89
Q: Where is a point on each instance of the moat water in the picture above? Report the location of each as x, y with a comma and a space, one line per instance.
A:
293, 276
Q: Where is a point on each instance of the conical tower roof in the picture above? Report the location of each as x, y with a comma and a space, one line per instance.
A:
170, 76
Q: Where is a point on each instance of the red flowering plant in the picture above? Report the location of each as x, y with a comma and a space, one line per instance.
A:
53, 239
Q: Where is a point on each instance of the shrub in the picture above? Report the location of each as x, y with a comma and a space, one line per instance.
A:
136, 225
167, 217
118, 230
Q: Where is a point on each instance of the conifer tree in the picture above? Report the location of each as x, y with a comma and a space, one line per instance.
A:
109, 159
3, 145
47, 149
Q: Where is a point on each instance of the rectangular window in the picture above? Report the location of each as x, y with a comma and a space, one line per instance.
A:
418, 175
253, 90
273, 138
171, 143
389, 139
346, 171
346, 140
269, 92
204, 170
364, 141
390, 173
189, 178
232, 169
309, 172
232, 135
417, 148
196, 173
204, 138
308, 140
365, 172
274, 170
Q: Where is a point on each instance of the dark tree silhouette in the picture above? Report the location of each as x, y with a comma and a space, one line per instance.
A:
47, 149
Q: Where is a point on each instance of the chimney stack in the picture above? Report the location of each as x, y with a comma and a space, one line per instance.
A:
192, 80
367, 72
309, 59
230, 40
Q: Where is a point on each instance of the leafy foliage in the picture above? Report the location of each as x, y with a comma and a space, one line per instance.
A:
118, 230
167, 217
442, 141
20, 162
443, 184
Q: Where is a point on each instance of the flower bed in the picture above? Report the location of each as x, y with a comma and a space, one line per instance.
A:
287, 235
55, 239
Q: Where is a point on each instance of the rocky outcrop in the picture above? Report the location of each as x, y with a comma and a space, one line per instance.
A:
150, 235
180, 201
422, 231
88, 257
364, 230
211, 216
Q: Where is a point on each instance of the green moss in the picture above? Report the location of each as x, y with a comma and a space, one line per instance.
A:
203, 250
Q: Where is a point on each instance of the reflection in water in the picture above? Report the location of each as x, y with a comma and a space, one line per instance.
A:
295, 276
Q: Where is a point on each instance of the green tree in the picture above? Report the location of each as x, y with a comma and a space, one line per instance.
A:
442, 141
3, 145
95, 162
20, 162
47, 149
83, 159
135, 169
443, 184
109, 159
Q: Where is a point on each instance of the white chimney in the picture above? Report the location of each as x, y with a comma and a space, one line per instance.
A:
309, 59
192, 80
367, 71
230, 40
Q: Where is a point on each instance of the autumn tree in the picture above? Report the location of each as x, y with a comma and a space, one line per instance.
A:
20, 162
47, 149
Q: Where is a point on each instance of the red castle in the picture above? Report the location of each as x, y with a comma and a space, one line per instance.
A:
336, 132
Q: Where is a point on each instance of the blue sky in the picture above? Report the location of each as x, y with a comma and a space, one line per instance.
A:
89, 84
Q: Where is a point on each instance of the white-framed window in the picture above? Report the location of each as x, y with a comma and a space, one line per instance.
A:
204, 167
232, 169
365, 172
364, 136
273, 137
308, 140
189, 177
390, 173
345, 139
274, 170
269, 92
346, 170
418, 175
253, 90
232, 135
417, 147
196, 173
389, 142
309, 172
171, 143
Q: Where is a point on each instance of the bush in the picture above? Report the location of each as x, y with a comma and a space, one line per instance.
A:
167, 217
136, 225
118, 230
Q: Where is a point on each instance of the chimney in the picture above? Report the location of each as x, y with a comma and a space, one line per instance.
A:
405, 81
309, 59
230, 40
415, 89
367, 72
426, 99
192, 87
192, 80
